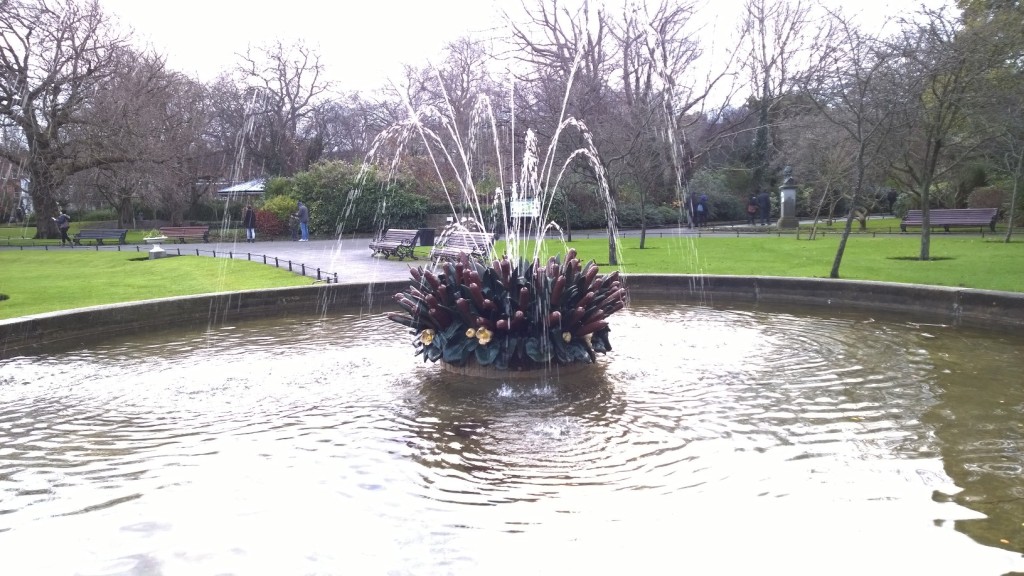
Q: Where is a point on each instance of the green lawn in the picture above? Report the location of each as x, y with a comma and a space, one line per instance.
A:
966, 261
957, 259
43, 281
14, 235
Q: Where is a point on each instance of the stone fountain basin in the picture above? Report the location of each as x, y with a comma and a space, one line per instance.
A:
178, 447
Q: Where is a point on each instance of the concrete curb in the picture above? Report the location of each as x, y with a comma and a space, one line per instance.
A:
68, 330
930, 304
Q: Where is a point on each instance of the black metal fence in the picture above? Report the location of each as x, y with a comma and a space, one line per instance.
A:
291, 266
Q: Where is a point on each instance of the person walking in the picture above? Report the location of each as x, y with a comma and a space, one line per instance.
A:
752, 210
303, 215
764, 204
63, 223
702, 211
249, 223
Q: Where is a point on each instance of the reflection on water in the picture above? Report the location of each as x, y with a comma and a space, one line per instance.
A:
709, 441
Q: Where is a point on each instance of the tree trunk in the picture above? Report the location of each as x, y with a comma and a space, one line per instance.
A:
42, 188
1013, 197
125, 214
613, 229
568, 216
842, 245
926, 232
643, 220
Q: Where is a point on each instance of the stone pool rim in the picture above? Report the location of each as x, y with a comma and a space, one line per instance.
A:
72, 329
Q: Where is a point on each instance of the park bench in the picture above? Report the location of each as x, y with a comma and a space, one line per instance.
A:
452, 245
395, 242
953, 217
182, 233
99, 235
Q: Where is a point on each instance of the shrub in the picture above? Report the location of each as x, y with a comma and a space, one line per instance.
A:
268, 224
988, 197
655, 216
205, 212
343, 198
98, 215
280, 206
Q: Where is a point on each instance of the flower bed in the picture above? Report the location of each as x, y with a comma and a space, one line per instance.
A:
512, 317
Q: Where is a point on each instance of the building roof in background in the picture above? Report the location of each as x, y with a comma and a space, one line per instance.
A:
250, 188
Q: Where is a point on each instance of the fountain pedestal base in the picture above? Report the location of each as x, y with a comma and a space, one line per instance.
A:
475, 370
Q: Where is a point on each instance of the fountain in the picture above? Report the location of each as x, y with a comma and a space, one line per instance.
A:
280, 431
517, 314
812, 441
511, 317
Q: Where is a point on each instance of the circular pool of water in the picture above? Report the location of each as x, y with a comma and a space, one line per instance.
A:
710, 441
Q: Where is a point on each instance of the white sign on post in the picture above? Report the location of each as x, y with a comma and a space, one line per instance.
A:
524, 208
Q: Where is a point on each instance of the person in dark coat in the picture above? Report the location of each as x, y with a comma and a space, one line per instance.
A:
249, 223
752, 210
702, 211
303, 215
63, 223
764, 205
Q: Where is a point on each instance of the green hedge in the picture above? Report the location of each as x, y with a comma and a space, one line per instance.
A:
342, 198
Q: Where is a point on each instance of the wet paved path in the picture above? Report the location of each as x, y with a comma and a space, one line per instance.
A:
350, 259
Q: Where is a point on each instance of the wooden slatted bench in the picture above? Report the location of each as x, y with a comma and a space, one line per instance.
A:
100, 234
452, 245
395, 242
953, 217
182, 233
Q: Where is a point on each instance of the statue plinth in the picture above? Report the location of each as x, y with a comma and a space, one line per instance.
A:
787, 206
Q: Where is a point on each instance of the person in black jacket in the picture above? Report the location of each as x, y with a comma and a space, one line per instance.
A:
63, 223
249, 223
764, 205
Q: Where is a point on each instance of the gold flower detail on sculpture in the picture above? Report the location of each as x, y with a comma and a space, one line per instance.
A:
483, 336
427, 336
566, 337
470, 333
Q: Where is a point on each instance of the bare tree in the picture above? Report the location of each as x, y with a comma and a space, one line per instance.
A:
775, 36
943, 64
53, 54
851, 88
827, 157
463, 104
567, 51
286, 90
664, 99
1001, 112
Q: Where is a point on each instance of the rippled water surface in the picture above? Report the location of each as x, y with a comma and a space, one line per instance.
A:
710, 441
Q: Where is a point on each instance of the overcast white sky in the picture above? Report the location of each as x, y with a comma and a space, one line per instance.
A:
362, 43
